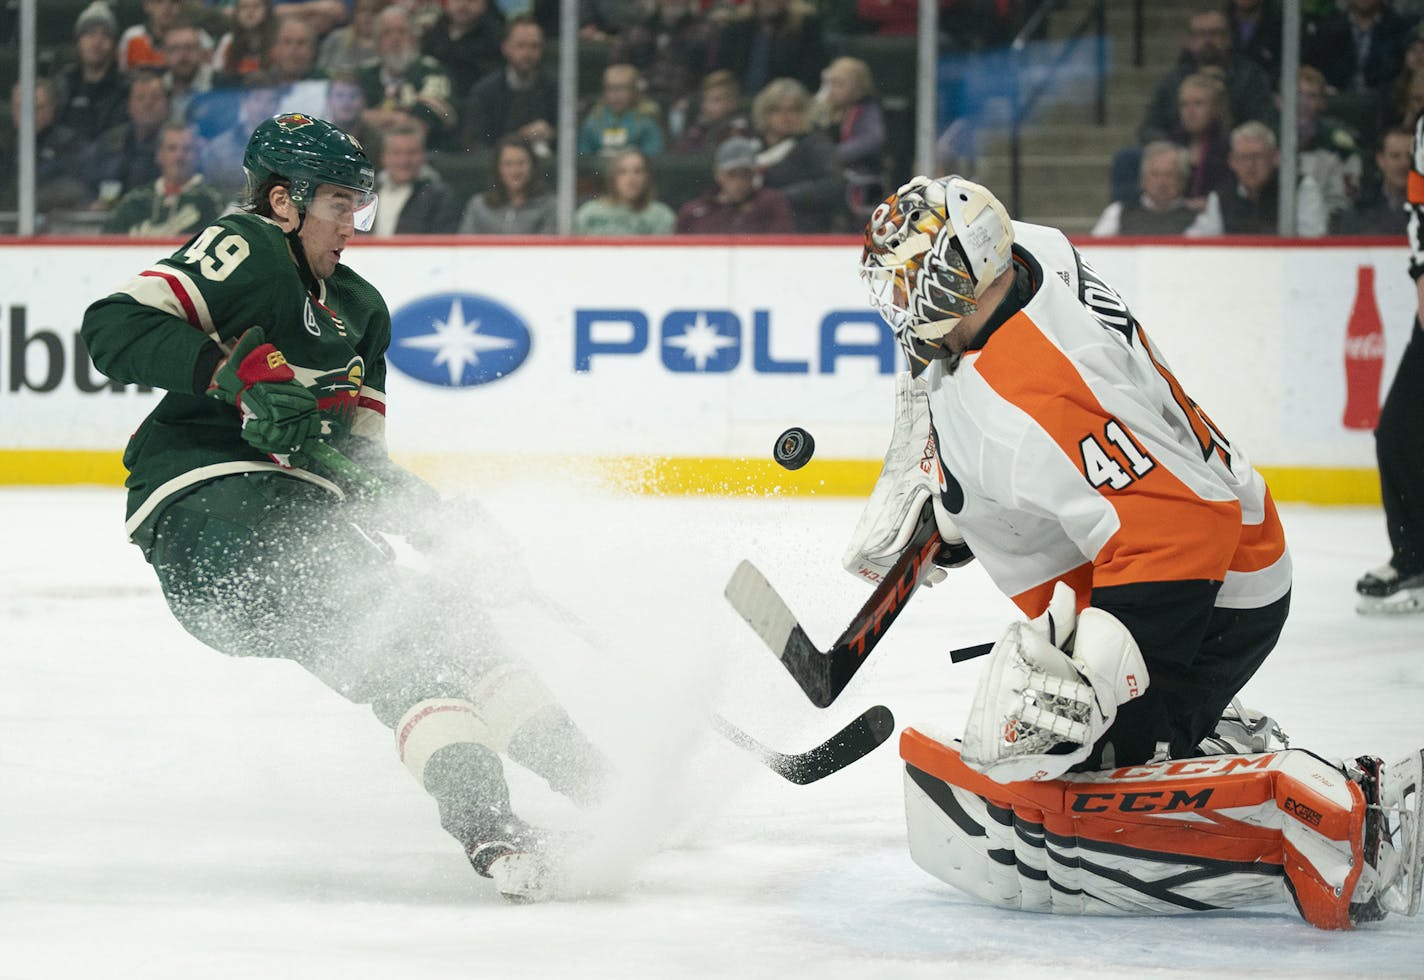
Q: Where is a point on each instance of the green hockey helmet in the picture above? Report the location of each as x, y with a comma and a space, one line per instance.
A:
310, 152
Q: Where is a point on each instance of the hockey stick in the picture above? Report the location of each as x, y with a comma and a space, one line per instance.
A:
856, 740
824, 674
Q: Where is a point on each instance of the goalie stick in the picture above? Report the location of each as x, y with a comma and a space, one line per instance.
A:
855, 741
824, 674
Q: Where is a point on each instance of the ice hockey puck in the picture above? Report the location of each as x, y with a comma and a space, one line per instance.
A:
794, 448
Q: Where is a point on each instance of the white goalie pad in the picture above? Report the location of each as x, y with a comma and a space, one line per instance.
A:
1205, 834
909, 476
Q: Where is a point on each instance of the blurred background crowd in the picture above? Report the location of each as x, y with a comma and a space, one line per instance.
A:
713, 116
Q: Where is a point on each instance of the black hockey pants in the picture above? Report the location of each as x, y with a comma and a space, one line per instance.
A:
1399, 447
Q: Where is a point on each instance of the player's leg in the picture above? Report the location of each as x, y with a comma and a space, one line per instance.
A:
1192, 835
1236, 643
1184, 703
264, 565
1398, 586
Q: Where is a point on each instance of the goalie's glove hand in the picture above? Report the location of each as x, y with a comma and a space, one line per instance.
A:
909, 477
1050, 691
278, 412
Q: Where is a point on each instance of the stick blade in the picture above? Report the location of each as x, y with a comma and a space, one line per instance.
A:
756, 600
854, 742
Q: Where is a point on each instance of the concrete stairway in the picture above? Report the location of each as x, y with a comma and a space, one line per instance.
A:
1065, 156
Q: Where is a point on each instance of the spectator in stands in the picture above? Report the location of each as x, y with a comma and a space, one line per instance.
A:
292, 57
797, 160
1411, 102
1208, 46
92, 91
322, 16
222, 155
190, 72
346, 108
518, 99
404, 86
1251, 205
1203, 129
888, 18
620, 118
1326, 148
737, 204
628, 205
1161, 208
126, 156
466, 39
517, 203
605, 20
718, 115
60, 154
242, 51
1359, 49
849, 111
179, 202
141, 46
414, 200
1394, 113
671, 48
1380, 208
768, 39
352, 45
1256, 33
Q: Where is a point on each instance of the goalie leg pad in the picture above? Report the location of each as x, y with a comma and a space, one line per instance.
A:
1163, 838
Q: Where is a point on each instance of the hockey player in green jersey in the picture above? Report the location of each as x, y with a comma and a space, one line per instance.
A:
265, 344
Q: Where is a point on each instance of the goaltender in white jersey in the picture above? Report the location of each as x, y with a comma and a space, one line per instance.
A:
1106, 765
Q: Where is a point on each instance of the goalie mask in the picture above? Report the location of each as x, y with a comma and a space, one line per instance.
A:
931, 250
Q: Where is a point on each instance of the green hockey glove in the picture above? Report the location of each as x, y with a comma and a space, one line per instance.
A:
278, 412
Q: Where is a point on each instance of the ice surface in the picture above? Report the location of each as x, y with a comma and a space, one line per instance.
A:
166, 812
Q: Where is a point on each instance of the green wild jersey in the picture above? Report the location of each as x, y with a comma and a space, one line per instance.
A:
162, 328
148, 211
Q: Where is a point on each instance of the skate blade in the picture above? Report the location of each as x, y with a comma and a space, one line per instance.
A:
1402, 603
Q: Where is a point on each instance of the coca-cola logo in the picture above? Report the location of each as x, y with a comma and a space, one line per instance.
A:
1370, 347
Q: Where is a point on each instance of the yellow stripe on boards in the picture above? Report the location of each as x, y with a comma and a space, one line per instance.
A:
720, 476
56, 467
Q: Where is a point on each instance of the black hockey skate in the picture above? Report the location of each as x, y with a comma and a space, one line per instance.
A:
1383, 591
1394, 837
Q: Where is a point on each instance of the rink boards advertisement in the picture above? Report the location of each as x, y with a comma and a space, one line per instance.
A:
702, 353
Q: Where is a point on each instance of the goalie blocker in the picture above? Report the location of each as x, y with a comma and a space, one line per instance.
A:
1202, 834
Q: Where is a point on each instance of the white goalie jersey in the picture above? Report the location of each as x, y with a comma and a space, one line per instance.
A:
1070, 452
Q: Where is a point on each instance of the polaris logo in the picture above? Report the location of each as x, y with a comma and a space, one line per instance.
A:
720, 341
457, 340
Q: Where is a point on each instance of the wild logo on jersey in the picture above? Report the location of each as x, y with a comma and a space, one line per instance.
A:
337, 394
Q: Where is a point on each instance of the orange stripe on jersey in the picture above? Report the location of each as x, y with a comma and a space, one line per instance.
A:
1261, 545
1032, 602
1166, 531
1415, 188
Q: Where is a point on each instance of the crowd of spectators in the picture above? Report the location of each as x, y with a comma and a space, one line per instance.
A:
1360, 91
142, 125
